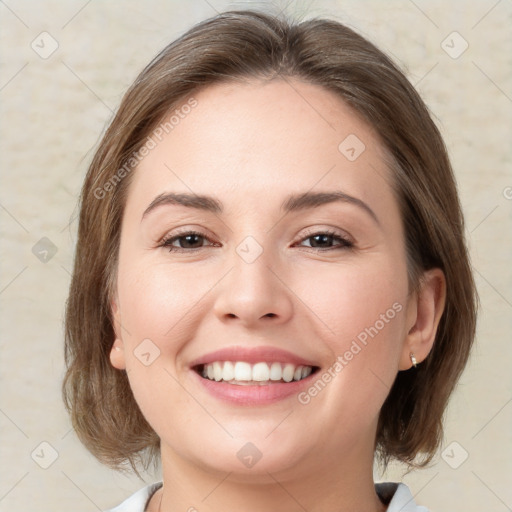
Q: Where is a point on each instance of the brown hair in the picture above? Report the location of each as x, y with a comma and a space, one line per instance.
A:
237, 45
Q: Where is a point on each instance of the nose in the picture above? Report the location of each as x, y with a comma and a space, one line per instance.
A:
254, 294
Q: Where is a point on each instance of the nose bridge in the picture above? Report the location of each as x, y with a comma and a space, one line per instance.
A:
252, 292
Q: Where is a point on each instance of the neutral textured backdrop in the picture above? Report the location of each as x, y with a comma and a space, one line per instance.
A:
53, 110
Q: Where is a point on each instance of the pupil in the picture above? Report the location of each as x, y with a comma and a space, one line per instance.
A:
189, 237
323, 238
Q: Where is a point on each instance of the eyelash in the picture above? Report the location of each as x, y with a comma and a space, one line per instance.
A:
345, 242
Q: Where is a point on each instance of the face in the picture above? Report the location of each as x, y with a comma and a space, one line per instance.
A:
293, 267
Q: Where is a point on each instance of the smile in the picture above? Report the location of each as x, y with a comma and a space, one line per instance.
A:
243, 373
252, 376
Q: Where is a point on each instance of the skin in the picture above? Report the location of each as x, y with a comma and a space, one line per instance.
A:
281, 138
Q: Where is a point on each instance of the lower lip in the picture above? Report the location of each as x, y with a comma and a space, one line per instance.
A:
253, 395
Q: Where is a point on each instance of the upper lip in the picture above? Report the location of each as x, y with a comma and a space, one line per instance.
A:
252, 355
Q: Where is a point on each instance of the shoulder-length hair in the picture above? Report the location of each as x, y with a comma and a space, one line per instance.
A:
238, 45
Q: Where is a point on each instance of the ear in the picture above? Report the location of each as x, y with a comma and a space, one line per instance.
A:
117, 355
423, 315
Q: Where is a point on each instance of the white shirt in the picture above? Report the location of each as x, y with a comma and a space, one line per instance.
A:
399, 496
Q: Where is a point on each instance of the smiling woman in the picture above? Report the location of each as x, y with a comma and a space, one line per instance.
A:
280, 292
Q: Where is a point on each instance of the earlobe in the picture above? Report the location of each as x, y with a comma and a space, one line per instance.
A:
117, 356
429, 307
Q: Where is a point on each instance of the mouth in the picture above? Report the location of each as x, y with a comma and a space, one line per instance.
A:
252, 376
243, 373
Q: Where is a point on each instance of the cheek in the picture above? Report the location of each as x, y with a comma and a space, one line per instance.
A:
362, 313
366, 312
157, 307
157, 301
352, 298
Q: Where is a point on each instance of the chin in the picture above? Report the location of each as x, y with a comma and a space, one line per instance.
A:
249, 457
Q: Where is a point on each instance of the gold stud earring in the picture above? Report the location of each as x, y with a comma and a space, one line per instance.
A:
413, 360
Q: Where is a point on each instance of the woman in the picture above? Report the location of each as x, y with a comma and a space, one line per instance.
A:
271, 285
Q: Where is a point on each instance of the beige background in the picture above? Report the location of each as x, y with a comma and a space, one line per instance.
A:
53, 111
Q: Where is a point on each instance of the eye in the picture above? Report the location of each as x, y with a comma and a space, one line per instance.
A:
193, 240
323, 241
187, 241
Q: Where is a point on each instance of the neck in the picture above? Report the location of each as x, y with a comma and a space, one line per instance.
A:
330, 484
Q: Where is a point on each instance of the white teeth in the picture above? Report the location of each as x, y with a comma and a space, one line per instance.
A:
275, 371
242, 372
260, 372
228, 373
288, 372
217, 371
306, 370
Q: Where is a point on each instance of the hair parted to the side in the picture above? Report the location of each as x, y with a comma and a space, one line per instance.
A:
238, 45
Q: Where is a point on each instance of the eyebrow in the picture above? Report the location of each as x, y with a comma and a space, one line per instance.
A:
293, 203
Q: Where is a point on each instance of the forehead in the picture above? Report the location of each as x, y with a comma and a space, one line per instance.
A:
263, 140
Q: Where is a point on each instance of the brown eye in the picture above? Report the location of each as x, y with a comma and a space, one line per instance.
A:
325, 240
188, 241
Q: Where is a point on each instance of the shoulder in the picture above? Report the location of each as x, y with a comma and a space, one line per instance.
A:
137, 502
398, 497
